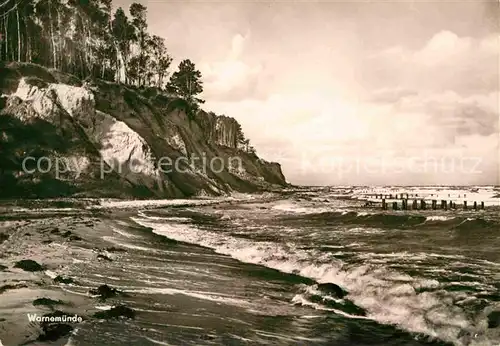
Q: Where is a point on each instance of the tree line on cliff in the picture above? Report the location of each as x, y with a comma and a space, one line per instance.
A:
88, 39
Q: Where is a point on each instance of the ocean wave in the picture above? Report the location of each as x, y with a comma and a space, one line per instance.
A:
477, 223
370, 287
294, 208
210, 296
391, 220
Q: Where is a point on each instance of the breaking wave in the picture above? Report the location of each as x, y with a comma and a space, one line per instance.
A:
384, 294
382, 219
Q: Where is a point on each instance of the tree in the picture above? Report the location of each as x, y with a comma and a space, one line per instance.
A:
139, 13
124, 34
160, 61
84, 38
186, 82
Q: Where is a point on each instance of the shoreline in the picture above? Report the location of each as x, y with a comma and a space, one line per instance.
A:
42, 235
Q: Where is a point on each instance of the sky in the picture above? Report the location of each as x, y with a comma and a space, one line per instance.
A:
350, 93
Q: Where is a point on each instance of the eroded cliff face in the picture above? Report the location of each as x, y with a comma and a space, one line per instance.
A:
105, 139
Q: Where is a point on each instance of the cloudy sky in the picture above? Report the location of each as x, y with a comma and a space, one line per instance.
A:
350, 92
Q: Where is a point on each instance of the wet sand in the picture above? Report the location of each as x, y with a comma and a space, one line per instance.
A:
55, 241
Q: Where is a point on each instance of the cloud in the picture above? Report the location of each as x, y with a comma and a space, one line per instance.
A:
232, 79
443, 48
459, 116
449, 112
391, 95
438, 102
445, 62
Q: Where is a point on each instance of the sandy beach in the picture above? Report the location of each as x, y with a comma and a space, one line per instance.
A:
55, 240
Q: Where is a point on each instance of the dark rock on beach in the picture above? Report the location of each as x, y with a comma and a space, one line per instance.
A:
104, 258
53, 331
67, 234
116, 312
115, 249
494, 319
47, 302
3, 237
29, 266
207, 337
105, 292
11, 287
331, 288
63, 280
55, 231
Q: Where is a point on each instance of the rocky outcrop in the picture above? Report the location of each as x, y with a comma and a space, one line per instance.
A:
65, 137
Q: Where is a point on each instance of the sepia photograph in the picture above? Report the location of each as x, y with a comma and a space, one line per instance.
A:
250, 172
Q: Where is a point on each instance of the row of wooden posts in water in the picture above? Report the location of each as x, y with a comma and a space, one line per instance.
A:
419, 203
402, 196
423, 205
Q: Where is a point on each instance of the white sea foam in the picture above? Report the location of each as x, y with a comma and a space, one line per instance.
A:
41, 210
51, 274
295, 208
128, 246
123, 233
119, 204
157, 342
299, 299
439, 218
153, 203
372, 288
365, 213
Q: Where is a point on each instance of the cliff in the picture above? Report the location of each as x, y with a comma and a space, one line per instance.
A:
60, 136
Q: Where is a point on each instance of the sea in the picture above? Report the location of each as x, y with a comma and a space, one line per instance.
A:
305, 266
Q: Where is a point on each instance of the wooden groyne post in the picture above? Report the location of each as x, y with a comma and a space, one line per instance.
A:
414, 202
444, 205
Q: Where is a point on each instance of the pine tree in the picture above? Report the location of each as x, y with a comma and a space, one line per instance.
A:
84, 38
186, 82
139, 13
